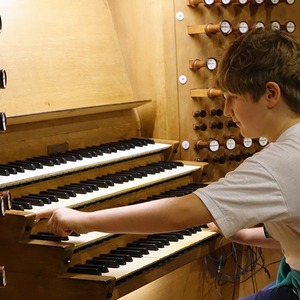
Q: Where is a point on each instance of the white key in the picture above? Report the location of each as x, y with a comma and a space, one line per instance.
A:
86, 239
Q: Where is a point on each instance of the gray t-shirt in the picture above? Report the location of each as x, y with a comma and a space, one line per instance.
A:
265, 188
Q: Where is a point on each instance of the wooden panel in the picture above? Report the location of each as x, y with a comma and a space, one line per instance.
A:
31, 139
60, 55
147, 39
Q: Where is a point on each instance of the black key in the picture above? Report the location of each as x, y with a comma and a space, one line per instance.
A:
59, 194
96, 150
44, 161
36, 163
186, 232
51, 196
117, 146
68, 156
51, 158
103, 269
157, 243
178, 163
77, 156
109, 263
159, 238
164, 165
148, 246
137, 247
90, 186
73, 233
45, 236
126, 175
152, 169
99, 183
138, 142
17, 206
113, 177
120, 257
127, 144
179, 235
131, 252
32, 201
82, 153
58, 158
107, 149
19, 168
84, 270
74, 189
25, 164
45, 199
4, 172
24, 204
69, 191
148, 141
9, 168
198, 228
137, 173
169, 237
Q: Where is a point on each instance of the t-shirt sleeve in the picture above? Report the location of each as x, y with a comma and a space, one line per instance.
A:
245, 197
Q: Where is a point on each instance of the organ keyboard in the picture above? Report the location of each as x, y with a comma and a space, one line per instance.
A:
36, 168
109, 265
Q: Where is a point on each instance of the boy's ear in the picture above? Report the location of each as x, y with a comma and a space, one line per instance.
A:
273, 94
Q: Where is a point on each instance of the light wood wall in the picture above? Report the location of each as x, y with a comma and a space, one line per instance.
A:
146, 31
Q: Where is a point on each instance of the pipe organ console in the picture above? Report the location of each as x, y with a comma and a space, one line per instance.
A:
73, 116
96, 265
73, 139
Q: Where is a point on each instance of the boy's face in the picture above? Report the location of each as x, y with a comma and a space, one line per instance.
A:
249, 116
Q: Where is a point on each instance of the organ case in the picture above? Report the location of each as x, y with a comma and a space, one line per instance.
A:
67, 90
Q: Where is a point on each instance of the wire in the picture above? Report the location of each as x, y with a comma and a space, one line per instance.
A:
248, 261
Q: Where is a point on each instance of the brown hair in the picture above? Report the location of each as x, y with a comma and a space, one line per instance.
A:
258, 57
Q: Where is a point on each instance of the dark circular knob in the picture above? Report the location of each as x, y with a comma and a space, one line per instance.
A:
199, 126
220, 160
218, 125
199, 113
216, 112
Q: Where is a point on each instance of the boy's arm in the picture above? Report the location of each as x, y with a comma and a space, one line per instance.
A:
164, 215
251, 237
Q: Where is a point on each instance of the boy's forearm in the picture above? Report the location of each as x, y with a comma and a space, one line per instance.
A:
254, 237
165, 215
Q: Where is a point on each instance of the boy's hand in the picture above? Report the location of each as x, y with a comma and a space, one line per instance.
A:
63, 221
213, 227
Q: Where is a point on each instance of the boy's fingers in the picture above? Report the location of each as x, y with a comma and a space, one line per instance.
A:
44, 214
